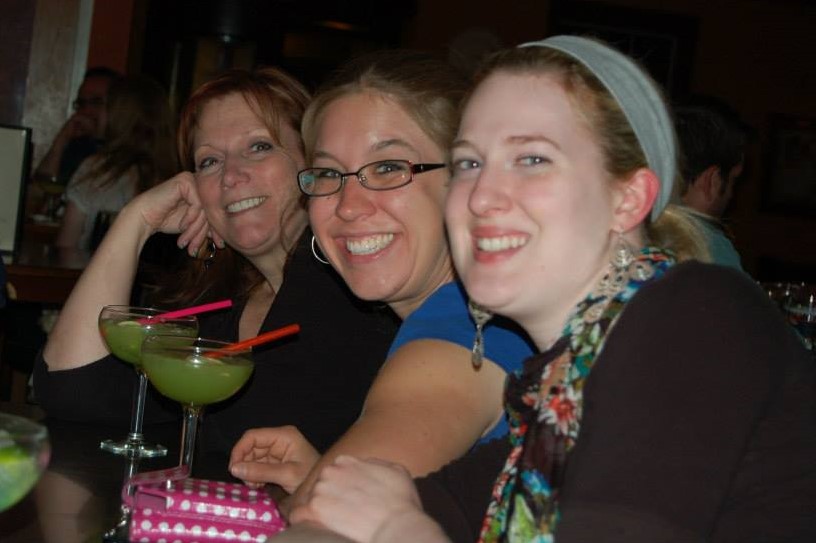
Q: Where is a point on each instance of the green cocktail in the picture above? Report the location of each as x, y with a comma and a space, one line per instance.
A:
124, 329
196, 380
195, 373
125, 337
24, 453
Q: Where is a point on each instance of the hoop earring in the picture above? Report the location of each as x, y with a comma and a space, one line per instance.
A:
480, 316
316, 254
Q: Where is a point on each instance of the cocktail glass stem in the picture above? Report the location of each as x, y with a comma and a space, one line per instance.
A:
137, 419
119, 532
192, 414
135, 444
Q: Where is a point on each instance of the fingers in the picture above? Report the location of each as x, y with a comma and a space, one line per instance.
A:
193, 228
289, 475
280, 443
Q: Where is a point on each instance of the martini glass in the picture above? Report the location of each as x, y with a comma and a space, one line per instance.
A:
801, 310
195, 373
124, 328
24, 454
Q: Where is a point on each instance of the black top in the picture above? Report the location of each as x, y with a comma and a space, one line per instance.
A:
699, 425
316, 380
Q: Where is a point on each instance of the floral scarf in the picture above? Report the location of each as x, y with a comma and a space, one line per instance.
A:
544, 403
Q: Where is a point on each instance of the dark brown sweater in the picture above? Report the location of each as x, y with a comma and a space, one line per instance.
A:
699, 425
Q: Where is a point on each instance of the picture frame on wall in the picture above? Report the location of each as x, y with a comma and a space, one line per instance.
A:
15, 160
790, 178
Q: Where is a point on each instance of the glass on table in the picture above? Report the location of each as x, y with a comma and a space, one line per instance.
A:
801, 310
194, 373
24, 454
780, 292
124, 328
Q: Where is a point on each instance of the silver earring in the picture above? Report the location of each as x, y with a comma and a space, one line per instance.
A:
316, 254
480, 316
623, 256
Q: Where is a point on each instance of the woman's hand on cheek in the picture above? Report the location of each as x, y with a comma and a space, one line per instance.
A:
173, 207
357, 498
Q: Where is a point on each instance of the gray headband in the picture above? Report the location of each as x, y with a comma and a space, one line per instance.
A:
639, 99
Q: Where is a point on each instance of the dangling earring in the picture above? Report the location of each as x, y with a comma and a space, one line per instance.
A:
480, 316
623, 256
316, 254
211, 250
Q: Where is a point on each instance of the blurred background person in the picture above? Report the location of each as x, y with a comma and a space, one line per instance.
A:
80, 137
713, 139
137, 153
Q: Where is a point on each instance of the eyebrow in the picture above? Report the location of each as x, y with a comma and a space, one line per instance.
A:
514, 140
380, 145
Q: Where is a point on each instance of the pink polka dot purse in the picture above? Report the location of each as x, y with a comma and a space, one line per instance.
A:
168, 507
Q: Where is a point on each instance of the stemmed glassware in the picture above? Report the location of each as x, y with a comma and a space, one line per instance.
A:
781, 292
24, 454
801, 311
124, 328
195, 373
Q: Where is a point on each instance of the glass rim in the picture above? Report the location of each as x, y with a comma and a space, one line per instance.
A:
20, 427
149, 312
190, 344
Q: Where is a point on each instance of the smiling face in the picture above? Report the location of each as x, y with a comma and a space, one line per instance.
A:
531, 209
245, 178
387, 245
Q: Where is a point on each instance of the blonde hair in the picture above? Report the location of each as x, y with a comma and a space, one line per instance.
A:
675, 229
426, 88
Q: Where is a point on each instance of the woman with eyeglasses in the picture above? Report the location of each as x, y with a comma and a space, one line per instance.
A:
627, 427
239, 141
376, 137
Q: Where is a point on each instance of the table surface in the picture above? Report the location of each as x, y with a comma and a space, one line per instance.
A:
77, 499
40, 272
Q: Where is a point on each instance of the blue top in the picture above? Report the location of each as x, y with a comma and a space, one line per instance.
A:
444, 315
721, 249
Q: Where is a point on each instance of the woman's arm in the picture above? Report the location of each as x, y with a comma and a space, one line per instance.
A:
71, 227
427, 406
170, 207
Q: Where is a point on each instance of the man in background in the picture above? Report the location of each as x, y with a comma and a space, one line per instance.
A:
713, 140
82, 133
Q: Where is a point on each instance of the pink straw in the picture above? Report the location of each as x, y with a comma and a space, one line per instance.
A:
195, 310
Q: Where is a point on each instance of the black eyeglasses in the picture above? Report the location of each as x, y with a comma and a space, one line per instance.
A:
95, 102
380, 175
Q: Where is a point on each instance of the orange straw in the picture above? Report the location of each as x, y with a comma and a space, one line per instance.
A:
195, 310
257, 340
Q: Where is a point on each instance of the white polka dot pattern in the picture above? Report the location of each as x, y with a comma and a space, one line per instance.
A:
169, 509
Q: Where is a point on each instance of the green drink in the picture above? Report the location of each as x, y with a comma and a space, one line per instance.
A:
195, 373
24, 453
124, 338
195, 379
124, 329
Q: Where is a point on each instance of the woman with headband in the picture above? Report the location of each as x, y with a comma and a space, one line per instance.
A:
627, 426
